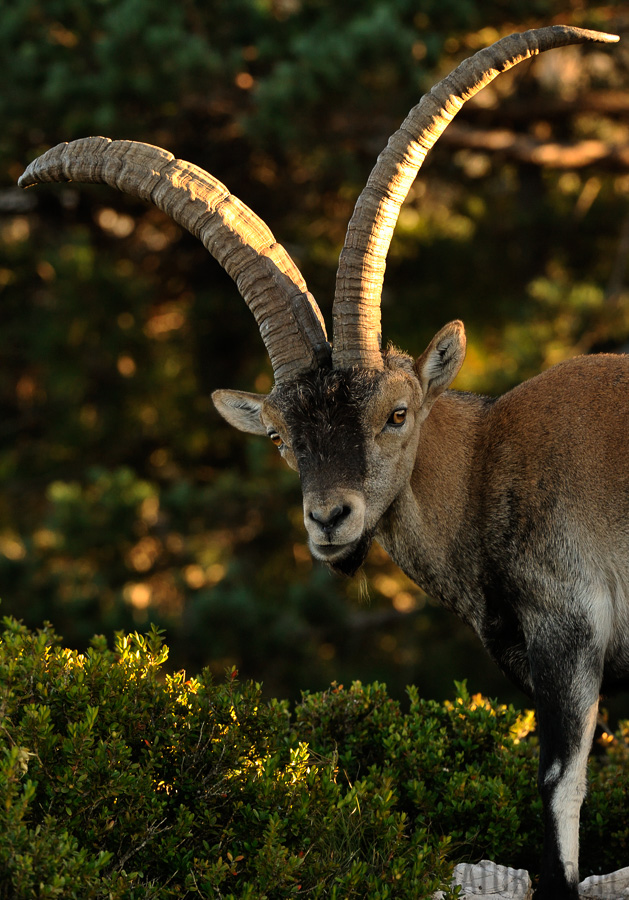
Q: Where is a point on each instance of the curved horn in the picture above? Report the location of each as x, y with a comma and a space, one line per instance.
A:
356, 310
288, 317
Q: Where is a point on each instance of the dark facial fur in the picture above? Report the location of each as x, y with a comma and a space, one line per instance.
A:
324, 417
351, 563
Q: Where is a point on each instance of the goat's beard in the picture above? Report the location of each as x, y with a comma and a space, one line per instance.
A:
350, 564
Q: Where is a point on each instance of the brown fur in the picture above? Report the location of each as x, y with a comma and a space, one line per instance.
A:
513, 512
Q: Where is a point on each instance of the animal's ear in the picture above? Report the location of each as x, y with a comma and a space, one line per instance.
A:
242, 410
440, 362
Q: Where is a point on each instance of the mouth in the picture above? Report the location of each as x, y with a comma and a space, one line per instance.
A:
328, 552
343, 558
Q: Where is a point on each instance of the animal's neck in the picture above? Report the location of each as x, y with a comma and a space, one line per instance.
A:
427, 529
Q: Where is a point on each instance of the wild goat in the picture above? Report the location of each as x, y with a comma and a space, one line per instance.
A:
513, 512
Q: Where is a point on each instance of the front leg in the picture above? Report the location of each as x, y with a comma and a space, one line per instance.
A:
566, 668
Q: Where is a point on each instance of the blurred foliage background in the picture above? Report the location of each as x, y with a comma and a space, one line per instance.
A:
125, 499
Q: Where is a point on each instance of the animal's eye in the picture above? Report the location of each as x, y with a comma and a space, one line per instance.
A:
275, 437
397, 417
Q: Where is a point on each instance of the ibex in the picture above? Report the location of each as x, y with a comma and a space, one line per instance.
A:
514, 512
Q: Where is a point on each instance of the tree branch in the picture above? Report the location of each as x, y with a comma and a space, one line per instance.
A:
547, 154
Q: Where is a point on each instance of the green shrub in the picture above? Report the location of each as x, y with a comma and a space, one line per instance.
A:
456, 767
117, 781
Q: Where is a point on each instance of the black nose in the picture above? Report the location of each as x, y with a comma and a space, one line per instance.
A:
328, 519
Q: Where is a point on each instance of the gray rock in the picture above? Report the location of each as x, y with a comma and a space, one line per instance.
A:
491, 881
614, 886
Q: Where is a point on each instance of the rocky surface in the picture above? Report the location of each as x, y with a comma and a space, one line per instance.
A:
488, 881
614, 886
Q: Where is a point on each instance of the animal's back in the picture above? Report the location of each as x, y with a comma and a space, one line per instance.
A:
564, 435
555, 466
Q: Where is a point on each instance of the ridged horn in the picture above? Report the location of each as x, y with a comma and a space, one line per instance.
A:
356, 311
288, 317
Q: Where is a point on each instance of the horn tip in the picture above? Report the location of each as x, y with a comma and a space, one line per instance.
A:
589, 34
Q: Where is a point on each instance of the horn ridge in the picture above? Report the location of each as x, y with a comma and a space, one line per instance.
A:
266, 276
356, 309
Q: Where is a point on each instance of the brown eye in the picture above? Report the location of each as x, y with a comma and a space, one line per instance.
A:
397, 417
277, 440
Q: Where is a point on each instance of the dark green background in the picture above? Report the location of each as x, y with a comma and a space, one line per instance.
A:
125, 499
